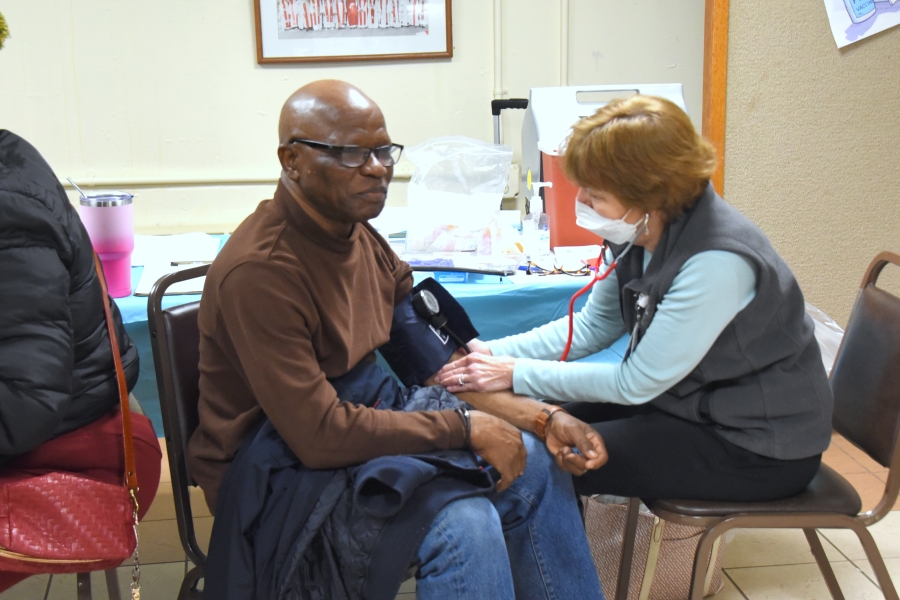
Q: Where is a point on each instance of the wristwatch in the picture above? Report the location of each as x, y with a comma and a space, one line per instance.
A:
542, 420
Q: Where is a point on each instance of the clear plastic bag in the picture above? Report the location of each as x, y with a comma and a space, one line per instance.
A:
460, 165
828, 333
452, 196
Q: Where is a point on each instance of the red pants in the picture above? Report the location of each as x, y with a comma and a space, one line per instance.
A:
94, 451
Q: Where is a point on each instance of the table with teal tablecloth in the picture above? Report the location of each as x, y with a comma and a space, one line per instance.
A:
497, 307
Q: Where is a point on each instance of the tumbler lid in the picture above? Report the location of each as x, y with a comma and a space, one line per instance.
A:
107, 199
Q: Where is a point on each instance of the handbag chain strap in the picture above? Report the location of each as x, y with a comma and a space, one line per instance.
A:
131, 481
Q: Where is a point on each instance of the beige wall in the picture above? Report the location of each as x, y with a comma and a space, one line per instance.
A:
165, 98
126, 93
660, 41
135, 95
812, 132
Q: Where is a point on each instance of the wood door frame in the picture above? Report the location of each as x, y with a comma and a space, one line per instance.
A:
715, 70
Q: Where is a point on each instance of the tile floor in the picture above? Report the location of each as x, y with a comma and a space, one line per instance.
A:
759, 564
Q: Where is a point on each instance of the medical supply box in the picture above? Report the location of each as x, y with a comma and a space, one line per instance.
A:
549, 118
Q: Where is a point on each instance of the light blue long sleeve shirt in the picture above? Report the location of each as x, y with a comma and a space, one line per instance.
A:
708, 292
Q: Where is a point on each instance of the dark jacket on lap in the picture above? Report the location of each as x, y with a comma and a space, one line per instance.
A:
283, 531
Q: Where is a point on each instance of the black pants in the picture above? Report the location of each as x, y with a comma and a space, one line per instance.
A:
655, 455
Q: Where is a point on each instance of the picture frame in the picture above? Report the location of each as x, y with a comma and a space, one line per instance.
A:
298, 31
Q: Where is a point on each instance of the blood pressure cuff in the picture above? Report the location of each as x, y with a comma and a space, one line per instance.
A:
416, 350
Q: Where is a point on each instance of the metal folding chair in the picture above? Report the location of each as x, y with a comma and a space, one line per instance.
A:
175, 338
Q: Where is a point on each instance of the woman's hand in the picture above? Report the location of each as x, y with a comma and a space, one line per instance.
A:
477, 373
565, 433
479, 347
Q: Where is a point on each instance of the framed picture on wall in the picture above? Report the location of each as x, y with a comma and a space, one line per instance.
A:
289, 31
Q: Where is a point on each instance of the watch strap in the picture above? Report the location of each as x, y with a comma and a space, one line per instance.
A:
542, 420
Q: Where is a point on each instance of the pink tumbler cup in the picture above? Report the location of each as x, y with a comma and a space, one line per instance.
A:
109, 220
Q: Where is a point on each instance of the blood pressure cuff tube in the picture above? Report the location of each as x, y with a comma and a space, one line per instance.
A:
416, 350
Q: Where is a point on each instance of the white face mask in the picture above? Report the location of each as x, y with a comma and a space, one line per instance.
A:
616, 231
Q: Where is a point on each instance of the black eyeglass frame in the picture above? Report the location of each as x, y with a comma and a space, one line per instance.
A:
344, 149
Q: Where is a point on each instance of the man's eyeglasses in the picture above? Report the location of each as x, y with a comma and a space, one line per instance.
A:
357, 156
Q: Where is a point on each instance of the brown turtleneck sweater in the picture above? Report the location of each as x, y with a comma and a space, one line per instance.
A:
285, 306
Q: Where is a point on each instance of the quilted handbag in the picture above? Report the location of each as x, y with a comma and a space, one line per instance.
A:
61, 522
663, 552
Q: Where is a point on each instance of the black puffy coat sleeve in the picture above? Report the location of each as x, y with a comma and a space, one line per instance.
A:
36, 347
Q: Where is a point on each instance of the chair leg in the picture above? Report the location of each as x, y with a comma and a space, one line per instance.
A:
188, 589
815, 545
112, 584
631, 522
874, 556
83, 581
703, 560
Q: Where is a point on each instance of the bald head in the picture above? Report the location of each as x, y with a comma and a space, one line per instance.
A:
319, 109
318, 124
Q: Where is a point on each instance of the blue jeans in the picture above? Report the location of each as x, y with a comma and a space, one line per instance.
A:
525, 543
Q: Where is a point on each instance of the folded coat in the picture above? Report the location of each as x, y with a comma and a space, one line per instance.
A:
287, 532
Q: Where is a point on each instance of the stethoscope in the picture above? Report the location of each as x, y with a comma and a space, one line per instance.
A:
600, 277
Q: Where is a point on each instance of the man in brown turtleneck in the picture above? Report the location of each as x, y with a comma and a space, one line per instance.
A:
303, 291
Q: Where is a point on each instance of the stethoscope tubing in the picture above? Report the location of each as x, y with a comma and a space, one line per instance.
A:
597, 277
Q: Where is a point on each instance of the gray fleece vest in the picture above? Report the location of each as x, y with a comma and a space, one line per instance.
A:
762, 383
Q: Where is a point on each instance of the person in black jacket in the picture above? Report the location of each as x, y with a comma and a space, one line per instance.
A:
59, 397
56, 371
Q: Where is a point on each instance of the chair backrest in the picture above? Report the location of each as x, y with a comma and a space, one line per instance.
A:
866, 377
175, 339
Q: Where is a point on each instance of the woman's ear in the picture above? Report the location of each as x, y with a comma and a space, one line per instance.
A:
657, 221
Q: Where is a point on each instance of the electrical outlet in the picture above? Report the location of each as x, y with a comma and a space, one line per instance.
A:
512, 183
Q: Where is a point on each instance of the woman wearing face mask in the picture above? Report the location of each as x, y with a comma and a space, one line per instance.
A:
722, 395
